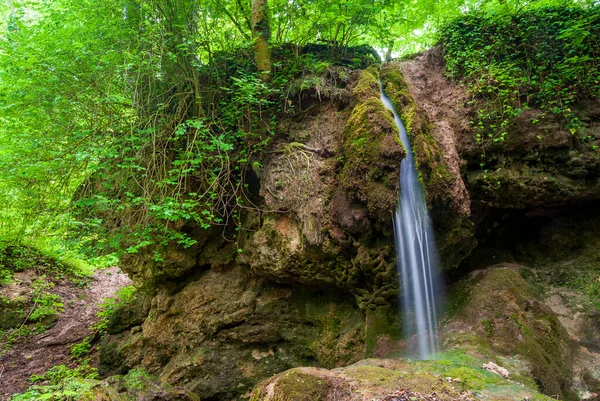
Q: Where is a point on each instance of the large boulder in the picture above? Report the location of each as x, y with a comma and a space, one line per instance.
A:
450, 378
498, 313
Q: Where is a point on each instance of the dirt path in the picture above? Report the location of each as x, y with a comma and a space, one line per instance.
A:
36, 354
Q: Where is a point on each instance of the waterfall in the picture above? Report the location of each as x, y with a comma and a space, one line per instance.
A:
417, 254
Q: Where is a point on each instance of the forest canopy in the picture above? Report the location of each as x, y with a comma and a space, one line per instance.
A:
121, 117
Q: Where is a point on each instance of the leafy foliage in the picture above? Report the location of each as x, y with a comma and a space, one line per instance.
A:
60, 383
546, 57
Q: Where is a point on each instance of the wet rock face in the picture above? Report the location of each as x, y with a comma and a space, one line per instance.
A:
436, 157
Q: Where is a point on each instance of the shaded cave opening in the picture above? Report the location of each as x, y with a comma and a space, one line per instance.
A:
521, 236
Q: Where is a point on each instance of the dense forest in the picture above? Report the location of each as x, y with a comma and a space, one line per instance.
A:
234, 159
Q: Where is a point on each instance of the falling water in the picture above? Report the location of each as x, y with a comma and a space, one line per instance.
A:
417, 256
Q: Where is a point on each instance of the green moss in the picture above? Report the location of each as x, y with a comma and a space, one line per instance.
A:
428, 158
294, 386
376, 376
423, 377
505, 318
474, 379
367, 84
137, 379
450, 377
372, 152
381, 322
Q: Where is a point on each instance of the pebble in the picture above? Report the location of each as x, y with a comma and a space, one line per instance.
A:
499, 370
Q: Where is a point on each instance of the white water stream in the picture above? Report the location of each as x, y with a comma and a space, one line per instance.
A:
417, 254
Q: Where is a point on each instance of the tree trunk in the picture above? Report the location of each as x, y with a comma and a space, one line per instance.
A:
261, 31
388, 53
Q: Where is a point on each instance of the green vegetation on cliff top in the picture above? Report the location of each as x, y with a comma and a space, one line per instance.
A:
150, 114
547, 58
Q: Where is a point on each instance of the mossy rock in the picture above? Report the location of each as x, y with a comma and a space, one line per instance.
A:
372, 151
366, 270
293, 385
148, 272
443, 379
129, 314
502, 316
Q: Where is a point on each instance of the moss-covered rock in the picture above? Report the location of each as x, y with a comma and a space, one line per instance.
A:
339, 189
452, 377
127, 314
372, 151
294, 385
501, 315
149, 271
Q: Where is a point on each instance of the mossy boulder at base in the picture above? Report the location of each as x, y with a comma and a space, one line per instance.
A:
501, 315
449, 378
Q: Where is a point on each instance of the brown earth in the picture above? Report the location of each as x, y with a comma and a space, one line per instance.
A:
36, 354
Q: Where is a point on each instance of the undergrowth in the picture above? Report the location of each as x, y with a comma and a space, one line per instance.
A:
548, 58
60, 383
66, 383
188, 159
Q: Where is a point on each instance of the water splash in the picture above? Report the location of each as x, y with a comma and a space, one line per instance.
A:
417, 254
